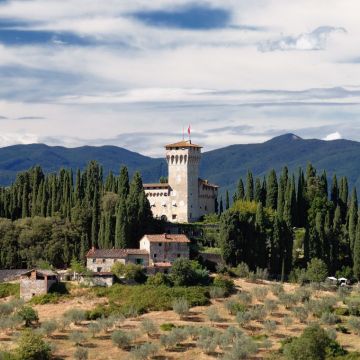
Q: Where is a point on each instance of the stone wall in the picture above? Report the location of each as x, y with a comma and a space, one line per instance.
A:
31, 287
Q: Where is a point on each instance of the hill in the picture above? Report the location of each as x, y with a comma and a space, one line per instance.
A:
223, 166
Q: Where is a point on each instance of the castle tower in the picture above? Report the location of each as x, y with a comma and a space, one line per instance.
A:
183, 160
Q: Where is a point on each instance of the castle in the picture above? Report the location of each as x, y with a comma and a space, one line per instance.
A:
185, 197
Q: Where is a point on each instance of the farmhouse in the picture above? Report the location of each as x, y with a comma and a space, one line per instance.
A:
185, 197
36, 282
156, 253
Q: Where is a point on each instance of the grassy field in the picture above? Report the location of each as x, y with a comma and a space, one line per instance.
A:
265, 314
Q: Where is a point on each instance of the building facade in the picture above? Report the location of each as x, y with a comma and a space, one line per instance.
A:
156, 253
36, 282
185, 197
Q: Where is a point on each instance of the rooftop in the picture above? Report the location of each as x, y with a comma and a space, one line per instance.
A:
156, 185
40, 272
206, 183
176, 238
183, 144
114, 253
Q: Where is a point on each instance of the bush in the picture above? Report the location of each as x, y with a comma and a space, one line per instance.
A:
159, 279
121, 339
31, 346
260, 293
277, 289
262, 274
242, 270
216, 292
243, 346
144, 351
6, 309
77, 337
212, 314
208, 340
258, 313
167, 326
148, 327
28, 314
298, 276
186, 272
270, 305
287, 321
221, 281
131, 272
316, 270
94, 328
288, 300
243, 318
245, 298
302, 295
48, 327
270, 326
76, 316
328, 318
9, 289
50, 298
181, 307
313, 344
176, 336
81, 353
98, 312
233, 307
354, 324
354, 307
300, 313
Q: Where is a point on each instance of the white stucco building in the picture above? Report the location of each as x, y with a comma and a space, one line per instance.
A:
185, 197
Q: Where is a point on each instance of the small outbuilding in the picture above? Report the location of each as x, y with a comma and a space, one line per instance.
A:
37, 282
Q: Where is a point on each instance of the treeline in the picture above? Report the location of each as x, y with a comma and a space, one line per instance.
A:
264, 235
59, 216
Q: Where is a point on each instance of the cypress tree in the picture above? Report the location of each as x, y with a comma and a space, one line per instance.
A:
227, 200
240, 190
249, 187
221, 207
356, 253
121, 227
258, 189
272, 190
123, 183
300, 200
353, 218
334, 194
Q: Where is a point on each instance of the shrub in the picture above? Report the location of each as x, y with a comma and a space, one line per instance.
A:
316, 270
288, 300
186, 272
94, 328
167, 326
9, 289
243, 318
287, 321
132, 272
6, 309
76, 316
342, 329
212, 314
245, 298
262, 274
159, 279
28, 314
260, 293
31, 346
242, 270
233, 307
277, 289
148, 327
216, 292
343, 292
96, 313
181, 307
50, 298
48, 327
121, 339
208, 340
314, 344
81, 353
354, 307
258, 313
270, 326
77, 337
318, 307
328, 318
270, 305
298, 276
354, 324
170, 340
302, 295
243, 346
225, 283
144, 351
300, 313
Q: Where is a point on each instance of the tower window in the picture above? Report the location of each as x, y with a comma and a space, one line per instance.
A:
174, 216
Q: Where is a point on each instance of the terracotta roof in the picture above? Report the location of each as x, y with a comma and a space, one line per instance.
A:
157, 185
206, 183
162, 264
183, 143
168, 238
114, 253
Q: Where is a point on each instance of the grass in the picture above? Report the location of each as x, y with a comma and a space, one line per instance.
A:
211, 250
145, 298
9, 289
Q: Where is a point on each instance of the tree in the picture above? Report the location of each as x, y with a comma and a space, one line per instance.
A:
28, 314
272, 190
186, 272
353, 218
356, 252
31, 346
249, 195
316, 270
227, 200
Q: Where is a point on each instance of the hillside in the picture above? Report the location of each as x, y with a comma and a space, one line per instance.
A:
222, 166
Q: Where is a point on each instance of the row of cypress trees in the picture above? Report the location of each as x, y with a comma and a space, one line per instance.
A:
328, 214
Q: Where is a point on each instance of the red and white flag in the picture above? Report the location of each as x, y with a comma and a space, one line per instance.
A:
189, 130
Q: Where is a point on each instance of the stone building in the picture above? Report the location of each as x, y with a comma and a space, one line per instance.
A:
156, 253
185, 197
36, 282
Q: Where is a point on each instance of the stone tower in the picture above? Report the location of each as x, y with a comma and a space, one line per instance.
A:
183, 160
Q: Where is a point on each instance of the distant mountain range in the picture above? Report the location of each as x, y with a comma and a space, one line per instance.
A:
222, 166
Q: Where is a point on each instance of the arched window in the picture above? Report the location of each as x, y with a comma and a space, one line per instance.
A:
172, 159
185, 159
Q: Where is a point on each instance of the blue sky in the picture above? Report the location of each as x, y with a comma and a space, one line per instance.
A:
134, 73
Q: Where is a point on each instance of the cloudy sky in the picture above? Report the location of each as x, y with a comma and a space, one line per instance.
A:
133, 73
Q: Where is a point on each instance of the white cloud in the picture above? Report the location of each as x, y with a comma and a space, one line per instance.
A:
333, 136
315, 40
8, 139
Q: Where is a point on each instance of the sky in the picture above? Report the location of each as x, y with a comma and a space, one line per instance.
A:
136, 73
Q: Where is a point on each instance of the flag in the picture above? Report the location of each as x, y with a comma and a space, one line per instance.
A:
189, 130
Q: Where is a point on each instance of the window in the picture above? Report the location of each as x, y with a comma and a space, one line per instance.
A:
154, 255
98, 269
178, 255
174, 216
103, 260
205, 207
94, 261
160, 244
139, 261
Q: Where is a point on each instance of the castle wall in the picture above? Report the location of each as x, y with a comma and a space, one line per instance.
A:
207, 197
